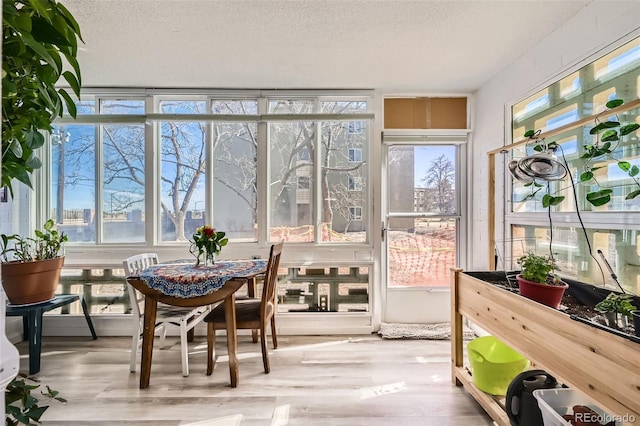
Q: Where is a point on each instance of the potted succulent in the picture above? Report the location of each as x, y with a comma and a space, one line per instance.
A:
31, 266
616, 306
537, 280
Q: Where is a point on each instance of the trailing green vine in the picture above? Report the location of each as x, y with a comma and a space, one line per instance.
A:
609, 136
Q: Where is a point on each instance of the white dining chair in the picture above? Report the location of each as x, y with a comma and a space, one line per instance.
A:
184, 318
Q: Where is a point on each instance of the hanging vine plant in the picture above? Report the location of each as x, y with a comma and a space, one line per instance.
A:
609, 136
37, 36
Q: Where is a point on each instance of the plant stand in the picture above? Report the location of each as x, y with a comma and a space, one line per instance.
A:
602, 365
32, 323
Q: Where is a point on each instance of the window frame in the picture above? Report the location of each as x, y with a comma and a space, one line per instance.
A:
591, 87
152, 99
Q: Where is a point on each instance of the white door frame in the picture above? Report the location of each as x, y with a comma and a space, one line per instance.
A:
423, 304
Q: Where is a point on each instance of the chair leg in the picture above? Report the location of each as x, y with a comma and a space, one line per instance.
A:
274, 338
184, 347
163, 337
211, 345
265, 351
135, 347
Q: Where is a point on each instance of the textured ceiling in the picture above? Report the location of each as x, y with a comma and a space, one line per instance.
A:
432, 46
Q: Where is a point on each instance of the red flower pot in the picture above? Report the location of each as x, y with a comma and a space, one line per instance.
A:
549, 295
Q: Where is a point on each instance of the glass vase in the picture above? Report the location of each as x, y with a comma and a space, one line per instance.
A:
209, 258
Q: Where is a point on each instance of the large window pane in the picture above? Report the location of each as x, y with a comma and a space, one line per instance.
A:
343, 177
182, 171
123, 151
123, 210
235, 192
73, 189
291, 207
430, 172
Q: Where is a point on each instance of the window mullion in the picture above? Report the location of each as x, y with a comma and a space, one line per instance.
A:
263, 172
317, 175
99, 184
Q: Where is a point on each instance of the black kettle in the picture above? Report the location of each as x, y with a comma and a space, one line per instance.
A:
520, 404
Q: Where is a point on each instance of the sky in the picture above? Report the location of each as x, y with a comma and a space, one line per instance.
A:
424, 155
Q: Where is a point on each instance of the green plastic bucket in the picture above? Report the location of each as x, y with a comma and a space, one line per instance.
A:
494, 364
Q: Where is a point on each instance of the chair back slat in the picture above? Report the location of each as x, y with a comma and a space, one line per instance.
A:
134, 264
271, 280
132, 267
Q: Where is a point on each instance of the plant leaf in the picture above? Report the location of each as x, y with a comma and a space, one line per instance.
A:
614, 103
626, 129
44, 32
71, 106
599, 198
41, 50
529, 133
632, 195
609, 135
549, 200
624, 165
16, 148
634, 171
586, 176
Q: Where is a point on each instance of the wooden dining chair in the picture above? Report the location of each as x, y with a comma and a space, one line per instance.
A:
250, 313
184, 318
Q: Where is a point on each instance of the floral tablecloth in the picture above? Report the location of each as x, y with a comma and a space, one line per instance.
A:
183, 279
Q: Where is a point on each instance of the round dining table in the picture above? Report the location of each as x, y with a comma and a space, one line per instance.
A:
181, 283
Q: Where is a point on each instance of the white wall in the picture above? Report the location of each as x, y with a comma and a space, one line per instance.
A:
597, 29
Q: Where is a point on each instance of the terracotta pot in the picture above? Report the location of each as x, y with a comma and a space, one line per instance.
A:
549, 295
31, 282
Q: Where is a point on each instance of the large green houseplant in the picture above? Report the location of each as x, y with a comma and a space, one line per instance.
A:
37, 36
39, 48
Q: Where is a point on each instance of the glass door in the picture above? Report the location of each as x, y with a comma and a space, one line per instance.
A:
422, 228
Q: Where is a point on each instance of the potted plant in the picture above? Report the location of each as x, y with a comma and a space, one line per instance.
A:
537, 280
614, 306
31, 266
207, 243
21, 407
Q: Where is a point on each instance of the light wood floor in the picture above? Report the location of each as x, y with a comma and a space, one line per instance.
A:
314, 380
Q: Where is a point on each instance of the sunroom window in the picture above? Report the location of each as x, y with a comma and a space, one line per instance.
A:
152, 168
